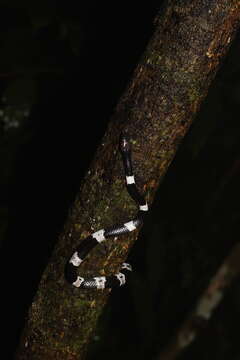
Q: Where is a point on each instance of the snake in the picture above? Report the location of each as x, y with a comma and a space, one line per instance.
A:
98, 237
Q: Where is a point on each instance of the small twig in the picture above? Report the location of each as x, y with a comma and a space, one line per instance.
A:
211, 298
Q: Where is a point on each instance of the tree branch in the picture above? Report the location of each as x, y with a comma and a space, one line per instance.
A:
166, 90
211, 298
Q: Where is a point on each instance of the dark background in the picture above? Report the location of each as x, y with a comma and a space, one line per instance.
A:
63, 66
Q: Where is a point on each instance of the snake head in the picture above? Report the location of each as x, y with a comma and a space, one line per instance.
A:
124, 143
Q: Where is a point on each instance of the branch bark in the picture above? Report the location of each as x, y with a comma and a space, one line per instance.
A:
171, 80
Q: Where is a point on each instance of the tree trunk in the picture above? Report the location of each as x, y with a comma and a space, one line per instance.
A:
166, 90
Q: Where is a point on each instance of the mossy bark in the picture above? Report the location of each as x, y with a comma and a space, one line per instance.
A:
166, 90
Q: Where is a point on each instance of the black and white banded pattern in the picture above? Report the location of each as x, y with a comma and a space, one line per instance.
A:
85, 247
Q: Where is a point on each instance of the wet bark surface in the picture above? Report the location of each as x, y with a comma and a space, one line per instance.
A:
166, 90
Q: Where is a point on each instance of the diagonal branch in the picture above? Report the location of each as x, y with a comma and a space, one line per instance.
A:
210, 299
166, 90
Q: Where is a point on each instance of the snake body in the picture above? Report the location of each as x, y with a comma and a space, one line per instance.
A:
87, 244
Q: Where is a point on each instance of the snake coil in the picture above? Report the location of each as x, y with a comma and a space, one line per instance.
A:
87, 244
